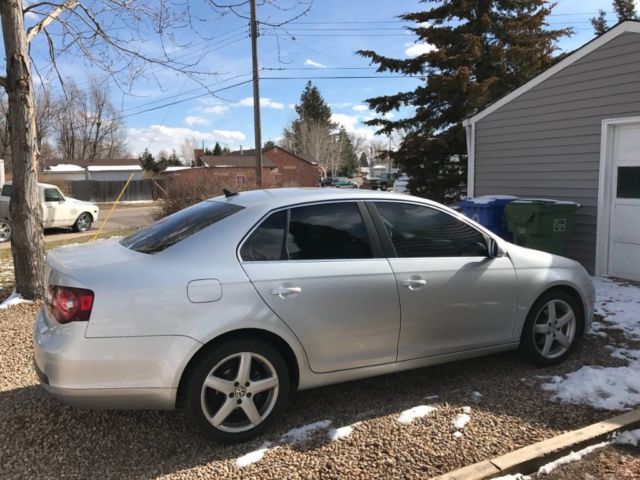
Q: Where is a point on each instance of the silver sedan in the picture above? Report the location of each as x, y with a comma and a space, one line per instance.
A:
233, 304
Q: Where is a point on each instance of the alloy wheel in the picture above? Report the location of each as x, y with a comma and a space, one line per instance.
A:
239, 392
84, 222
5, 231
554, 329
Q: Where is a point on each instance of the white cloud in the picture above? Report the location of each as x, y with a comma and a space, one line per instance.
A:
217, 109
353, 125
416, 49
264, 103
161, 137
360, 108
313, 63
341, 105
195, 120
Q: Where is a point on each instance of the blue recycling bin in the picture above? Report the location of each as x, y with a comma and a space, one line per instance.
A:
488, 211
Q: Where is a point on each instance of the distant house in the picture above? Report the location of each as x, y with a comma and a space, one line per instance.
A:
573, 133
117, 169
280, 167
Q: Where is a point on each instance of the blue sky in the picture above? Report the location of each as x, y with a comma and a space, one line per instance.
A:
321, 44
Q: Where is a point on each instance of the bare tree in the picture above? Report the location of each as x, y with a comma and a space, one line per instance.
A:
187, 151
108, 35
89, 127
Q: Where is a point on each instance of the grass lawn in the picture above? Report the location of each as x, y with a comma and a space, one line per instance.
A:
6, 261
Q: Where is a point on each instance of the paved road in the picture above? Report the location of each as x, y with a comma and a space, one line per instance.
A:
122, 217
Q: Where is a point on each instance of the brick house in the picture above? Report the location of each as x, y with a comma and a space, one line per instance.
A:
280, 167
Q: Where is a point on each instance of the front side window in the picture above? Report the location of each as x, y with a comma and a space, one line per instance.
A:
52, 195
327, 231
419, 231
170, 230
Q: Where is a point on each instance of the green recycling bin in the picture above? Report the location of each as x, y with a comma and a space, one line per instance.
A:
541, 224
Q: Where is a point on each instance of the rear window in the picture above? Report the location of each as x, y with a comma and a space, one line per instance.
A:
173, 229
7, 190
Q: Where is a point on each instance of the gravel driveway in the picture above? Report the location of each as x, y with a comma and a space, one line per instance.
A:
466, 412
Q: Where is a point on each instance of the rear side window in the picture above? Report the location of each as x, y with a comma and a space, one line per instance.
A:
418, 231
266, 243
7, 190
172, 229
327, 232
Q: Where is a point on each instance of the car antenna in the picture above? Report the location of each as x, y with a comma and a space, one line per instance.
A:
229, 193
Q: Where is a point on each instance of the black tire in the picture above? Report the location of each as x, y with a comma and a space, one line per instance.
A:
83, 222
530, 345
5, 231
384, 187
193, 395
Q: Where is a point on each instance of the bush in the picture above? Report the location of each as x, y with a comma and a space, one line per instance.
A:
181, 190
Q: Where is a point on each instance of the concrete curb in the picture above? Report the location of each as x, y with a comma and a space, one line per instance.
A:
528, 459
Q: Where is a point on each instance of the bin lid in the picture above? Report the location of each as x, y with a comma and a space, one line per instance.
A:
546, 201
487, 199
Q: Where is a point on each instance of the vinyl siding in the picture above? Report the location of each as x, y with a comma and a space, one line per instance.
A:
546, 142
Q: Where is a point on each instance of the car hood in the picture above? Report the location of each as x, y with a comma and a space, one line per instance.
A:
77, 202
522, 257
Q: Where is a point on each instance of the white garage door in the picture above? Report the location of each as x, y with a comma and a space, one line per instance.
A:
624, 241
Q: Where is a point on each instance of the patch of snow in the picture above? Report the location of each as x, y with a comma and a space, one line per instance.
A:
431, 397
339, 433
410, 415
13, 299
628, 438
461, 420
300, 434
253, 457
115, 168
476, 396
619, 304
517, 476
457, 434
572, 457
466, 409
65, 167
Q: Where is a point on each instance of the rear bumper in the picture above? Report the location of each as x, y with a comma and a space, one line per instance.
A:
110, 373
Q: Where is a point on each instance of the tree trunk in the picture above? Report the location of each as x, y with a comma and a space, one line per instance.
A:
27, 241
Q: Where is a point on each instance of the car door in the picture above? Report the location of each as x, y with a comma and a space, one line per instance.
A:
55, 212
321, 269
453, 296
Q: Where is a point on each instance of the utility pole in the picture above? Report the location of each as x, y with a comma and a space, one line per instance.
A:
256, 93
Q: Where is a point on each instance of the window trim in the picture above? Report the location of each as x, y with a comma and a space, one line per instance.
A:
377, 251
387, 242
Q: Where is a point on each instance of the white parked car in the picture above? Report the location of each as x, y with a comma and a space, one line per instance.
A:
58, 211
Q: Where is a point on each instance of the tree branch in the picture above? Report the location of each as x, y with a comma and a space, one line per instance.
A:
51, 16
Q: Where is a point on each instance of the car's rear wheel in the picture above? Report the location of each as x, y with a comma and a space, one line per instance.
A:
384, 187
83, 222
5, 231
552, 328
236, 390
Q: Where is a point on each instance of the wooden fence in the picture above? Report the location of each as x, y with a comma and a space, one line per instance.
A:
107, 191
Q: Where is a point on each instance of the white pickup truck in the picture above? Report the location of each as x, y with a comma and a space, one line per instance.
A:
58, 211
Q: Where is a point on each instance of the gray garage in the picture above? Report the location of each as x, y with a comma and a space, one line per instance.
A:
573, 133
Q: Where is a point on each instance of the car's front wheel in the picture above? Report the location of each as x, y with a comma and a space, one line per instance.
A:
236, 389
5, 231
83, 222
552, 329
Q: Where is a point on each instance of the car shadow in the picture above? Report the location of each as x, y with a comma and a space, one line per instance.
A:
40, 437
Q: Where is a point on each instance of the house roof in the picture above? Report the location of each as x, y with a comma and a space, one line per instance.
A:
252, 151
628, 26
51, 164
238, 161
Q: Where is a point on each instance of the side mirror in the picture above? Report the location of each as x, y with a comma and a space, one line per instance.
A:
493, 248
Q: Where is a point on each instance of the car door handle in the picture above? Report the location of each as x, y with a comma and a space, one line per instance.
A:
286, 291
414, 284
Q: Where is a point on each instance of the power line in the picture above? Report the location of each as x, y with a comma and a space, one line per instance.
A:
350, 77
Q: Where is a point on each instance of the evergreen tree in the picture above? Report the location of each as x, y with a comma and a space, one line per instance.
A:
364, 161
312, 106
624, 9
149, 163
217, 150
480, 51
173, 160
269, 144
348, 161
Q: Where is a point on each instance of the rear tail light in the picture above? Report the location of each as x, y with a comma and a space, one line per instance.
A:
68, 304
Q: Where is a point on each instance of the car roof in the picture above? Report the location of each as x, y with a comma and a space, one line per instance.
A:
280, 197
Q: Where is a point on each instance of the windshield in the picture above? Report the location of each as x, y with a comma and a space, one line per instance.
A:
170, 230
